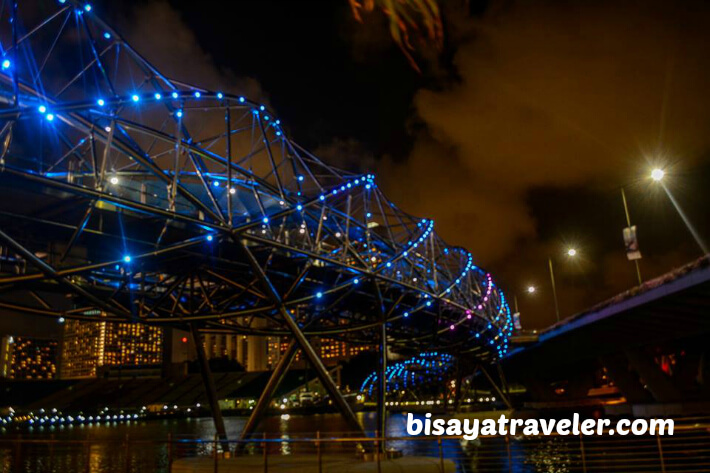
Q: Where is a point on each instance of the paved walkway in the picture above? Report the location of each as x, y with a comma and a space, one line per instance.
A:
309, 464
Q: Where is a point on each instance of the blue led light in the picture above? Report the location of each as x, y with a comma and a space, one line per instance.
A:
300, 178
215, 183
6, 64
87, 7
101, 102
50, 116
299, 207
210, 238
356, 281
322, 197
107, 35
319, 294
175, 95
265, 219
42, 109
241, 99
220, 95
198, 94
135, 98
262, 108
127, 259
406, 314
158, 96
179, 113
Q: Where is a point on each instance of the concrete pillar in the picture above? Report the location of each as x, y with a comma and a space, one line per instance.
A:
240, 349
617, 367
256, 353
208, 345
660, 385
257, 346
230, 347
218, 346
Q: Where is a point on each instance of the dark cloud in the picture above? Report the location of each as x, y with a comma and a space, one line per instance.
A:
555, 94
158, 32
559, 94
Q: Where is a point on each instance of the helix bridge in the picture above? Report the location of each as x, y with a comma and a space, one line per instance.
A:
127, 196
425, 369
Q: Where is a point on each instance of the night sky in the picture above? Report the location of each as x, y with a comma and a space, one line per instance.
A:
516, 138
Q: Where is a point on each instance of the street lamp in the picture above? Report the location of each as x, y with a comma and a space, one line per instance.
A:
657, 175
529, 290
571, 252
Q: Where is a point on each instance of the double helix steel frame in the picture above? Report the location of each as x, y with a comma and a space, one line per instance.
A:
159, 202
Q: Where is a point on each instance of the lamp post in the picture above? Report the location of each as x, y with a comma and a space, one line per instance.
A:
571, 252
657, 175
529, 290
628, 223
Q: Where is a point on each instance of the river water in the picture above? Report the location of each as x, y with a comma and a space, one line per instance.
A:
149, 452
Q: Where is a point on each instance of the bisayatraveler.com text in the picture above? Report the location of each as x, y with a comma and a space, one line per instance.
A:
471, 429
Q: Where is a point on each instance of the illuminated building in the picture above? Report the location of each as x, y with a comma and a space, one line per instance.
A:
28, 358
331, 351
91, 346
252, 352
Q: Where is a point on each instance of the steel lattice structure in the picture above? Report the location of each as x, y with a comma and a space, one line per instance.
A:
159, 202
424, 369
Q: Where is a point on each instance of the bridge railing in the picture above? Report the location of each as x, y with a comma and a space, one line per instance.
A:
688, 450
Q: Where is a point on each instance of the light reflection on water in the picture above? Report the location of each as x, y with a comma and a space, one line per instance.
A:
108, 455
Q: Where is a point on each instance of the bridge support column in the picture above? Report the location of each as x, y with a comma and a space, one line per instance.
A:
382, 384
658, 383
497, 389
617, 366
210, 387
267, 395
458, 389
302, 341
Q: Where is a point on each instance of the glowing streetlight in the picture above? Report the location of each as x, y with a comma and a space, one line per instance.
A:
529, 290
657, 174
571, 252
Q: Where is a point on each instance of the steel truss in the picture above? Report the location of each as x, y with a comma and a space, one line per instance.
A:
162, 203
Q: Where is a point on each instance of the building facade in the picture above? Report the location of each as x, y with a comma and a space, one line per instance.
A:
257, 353
90, 348
28, 357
